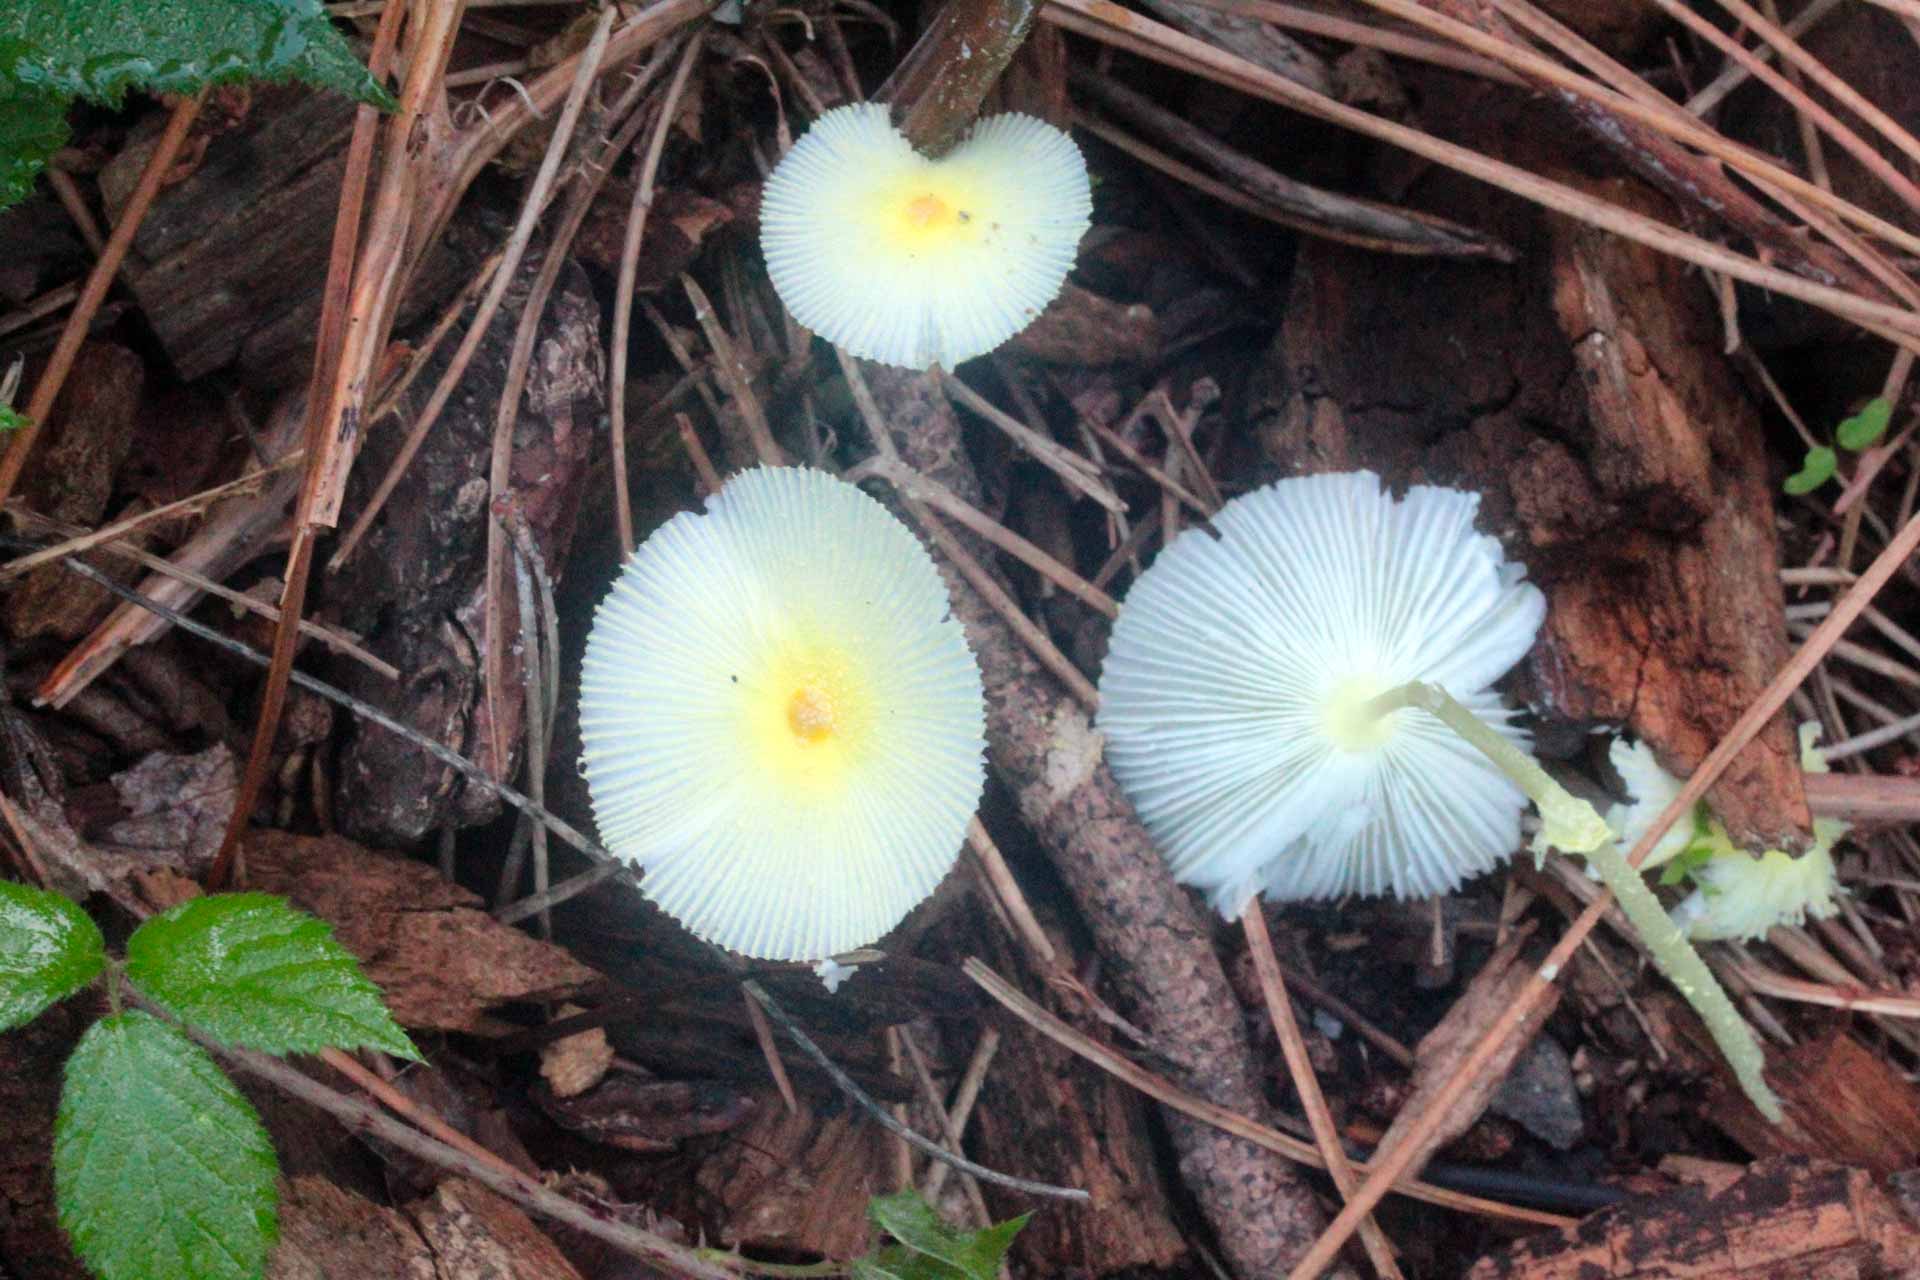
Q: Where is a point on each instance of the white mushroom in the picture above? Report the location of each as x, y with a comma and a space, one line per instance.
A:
782, 722
913, 261
1236, 693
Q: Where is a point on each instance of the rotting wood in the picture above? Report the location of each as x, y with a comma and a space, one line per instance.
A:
1788, 1217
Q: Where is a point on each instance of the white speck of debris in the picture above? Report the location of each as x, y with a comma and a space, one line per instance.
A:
832, 973
1548, 972
1328, 1025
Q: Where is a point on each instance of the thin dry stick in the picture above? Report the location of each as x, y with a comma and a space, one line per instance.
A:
902, 1153
1815, 70
922, 488
39, 308
963, 1099
623, 293
355, 289
131, 524
71, 200
538, 710
697, 454
1076, 472
733, 376
1044, 650
1162, 1090
1292, 17
334, 638
500, 468
531, 207
1025, 925
1733, 75
1831, 125
1626, 94
1391, 1165
770, 1050
951, 1133
1293, 1047
99, 280
1122, 28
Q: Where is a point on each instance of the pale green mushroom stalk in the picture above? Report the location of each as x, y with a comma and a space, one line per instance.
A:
1572, 825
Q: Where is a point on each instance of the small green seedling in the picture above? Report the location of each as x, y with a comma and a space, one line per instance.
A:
161, 1169
929, 1249
1854, 434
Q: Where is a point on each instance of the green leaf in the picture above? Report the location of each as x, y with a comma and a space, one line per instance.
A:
49, 949
9, 420
1814, 472
1865, 427
160, 1168
247, 969
929, 1249
32, 127
101, 48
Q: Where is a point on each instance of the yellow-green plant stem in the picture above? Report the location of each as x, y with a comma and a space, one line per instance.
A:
1573, 826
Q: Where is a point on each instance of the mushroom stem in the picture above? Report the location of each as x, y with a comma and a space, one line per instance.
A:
1573, 826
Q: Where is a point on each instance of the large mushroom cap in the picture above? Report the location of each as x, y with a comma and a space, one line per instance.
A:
1234, 692
782, 721
910, 261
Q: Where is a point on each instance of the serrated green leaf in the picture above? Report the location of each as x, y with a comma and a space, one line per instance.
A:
1865, 427
929, 1248
49, 949
101, 48
32, 127
1814, 472
247, 969
160, 1168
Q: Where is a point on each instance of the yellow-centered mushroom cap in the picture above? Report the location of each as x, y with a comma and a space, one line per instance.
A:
910, 261
782, 722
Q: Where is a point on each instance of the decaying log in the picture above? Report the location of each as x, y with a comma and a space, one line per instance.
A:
442, 962
472, 1231
1583, 393
1044, 1113
1790, 1218
230, 261
326, 1231
69, 476
415, 587
1042, 743
800, 1181
1843, 1102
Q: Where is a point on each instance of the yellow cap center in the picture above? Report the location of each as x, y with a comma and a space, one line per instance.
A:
926, 209
810, 713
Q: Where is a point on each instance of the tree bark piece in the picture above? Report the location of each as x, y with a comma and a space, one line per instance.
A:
441, 961
1788, 1219
1152, 931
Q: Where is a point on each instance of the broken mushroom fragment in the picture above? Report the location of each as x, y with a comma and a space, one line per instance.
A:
782, 722
1237, 694
909, 260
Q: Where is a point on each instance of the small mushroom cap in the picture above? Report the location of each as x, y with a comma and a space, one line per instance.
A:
782, 722
1738, 896
1234, 691
1650, 789
910, 261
